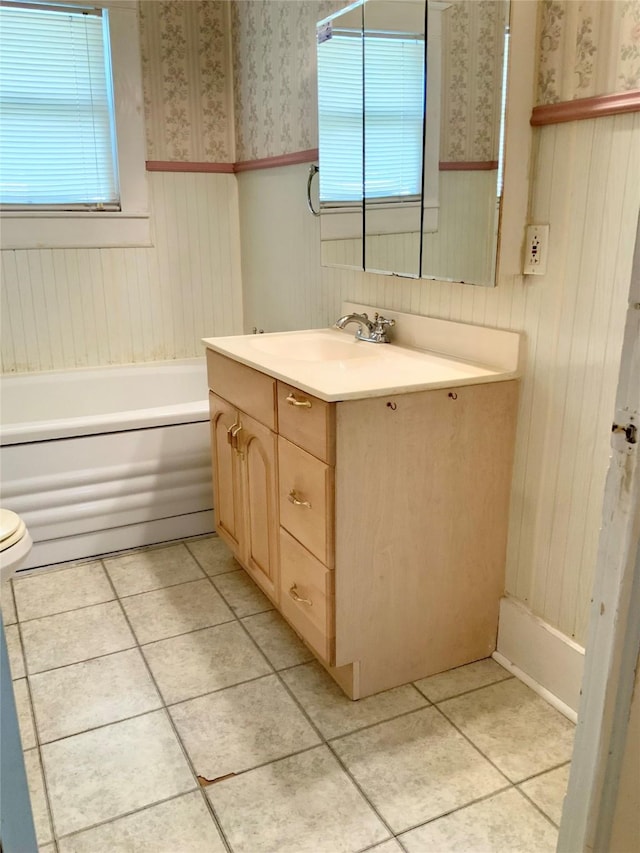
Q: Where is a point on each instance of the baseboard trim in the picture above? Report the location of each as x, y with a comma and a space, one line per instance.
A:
541, 656
97, 544
547, 695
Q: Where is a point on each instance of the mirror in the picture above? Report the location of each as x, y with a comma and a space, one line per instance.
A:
429, 199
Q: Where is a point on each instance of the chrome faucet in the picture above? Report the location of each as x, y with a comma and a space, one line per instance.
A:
373, 331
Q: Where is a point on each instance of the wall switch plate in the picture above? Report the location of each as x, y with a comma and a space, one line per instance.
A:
536, 247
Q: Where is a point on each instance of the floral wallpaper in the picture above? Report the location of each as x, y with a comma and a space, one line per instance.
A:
206, 101
187, 88
472, 56
274, 73
587, 48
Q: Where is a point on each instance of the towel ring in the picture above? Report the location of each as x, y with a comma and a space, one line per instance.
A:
313, 170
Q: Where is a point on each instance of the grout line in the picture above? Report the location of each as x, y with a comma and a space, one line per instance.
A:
45, 786
453, 811
144, 643
126, 814
84, 660
536, 806
217, 690
476, 748
508, 677
64, 612
161, 588
542, 772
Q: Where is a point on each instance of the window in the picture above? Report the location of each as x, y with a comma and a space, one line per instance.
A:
72, 144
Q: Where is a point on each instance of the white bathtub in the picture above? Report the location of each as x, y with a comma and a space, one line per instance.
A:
97, 460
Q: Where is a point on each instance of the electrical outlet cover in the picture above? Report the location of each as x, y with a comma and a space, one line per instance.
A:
536, 248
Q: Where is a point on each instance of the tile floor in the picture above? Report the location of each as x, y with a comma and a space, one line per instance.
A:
142, 678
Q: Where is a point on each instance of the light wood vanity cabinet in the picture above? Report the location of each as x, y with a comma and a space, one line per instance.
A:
376, 526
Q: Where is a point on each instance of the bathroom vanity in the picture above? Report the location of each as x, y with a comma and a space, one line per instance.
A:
365, 488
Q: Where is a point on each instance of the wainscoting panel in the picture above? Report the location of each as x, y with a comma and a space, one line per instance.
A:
84, 307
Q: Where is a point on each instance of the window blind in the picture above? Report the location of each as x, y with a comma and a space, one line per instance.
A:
380, 154
393, 109
57, 134
340, 118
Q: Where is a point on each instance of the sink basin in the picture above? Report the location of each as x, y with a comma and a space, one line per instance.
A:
315, 345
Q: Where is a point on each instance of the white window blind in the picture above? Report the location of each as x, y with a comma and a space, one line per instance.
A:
394, 110
380, 154
57, 134
340, 118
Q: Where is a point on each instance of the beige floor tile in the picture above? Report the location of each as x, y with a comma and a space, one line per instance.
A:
143, 571
175, 610
253, 723
513, 727
213, 555
7, 604
416, 767
46, 593
277, 640
14, 651
506, 823
38, 798
241, 594
75, 636
93, 693
548, 791
461, 680
108, 772
193, 664
302, 804
335, 714
25, 714
181, 825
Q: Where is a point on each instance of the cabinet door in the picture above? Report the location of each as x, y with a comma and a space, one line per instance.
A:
257, 448
227, 494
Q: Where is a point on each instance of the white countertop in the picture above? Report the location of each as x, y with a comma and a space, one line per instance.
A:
332, 365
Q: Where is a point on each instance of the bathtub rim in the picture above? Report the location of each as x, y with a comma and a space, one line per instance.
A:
129, 419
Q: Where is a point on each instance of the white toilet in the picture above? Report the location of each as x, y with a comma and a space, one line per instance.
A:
15, 543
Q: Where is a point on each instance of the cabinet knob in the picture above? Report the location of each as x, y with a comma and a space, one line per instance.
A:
293, 592
291, 400
294, 499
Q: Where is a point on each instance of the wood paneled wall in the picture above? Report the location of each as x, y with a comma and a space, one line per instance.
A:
586, 185
78, 307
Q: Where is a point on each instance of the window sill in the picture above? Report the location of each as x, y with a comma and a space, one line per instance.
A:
43, 230
346, 223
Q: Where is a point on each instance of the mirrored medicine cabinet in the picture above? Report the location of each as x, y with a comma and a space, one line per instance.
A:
411, 122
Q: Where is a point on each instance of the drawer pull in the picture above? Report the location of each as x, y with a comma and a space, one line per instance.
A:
294, 499
291, 400
293, 592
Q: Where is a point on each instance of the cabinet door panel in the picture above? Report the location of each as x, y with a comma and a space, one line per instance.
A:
227, 498
257, 446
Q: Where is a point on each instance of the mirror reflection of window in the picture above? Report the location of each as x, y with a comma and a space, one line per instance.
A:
394, 105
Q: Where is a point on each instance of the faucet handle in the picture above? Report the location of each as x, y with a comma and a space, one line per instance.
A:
382, 322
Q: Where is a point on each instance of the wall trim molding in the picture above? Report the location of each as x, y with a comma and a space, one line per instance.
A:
540, 655
185, 166
292, 159
468, 165
584, 108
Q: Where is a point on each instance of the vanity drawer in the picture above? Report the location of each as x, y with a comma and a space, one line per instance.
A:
306, 499
307, 421
306, 595
242, 386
